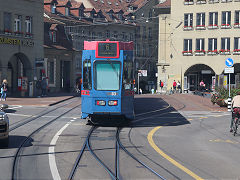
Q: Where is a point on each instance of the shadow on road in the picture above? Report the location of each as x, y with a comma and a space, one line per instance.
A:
15, 142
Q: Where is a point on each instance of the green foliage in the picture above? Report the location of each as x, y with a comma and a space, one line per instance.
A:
222, 93
234, 92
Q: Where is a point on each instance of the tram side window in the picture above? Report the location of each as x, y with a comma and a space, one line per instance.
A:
128, 75
87, 77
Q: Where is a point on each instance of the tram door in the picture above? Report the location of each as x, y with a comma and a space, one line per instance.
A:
192, 82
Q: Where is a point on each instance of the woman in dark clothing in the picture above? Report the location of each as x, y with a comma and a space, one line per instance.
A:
4, 89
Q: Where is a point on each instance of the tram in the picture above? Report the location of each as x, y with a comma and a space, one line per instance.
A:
107, 80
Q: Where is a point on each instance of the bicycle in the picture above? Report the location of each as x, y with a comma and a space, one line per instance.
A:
236, 121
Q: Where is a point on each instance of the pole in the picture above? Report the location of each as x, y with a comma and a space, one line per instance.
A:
138, 83
229, 86
229, 98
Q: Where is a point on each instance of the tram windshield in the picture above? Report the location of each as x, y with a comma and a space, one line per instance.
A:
107, 75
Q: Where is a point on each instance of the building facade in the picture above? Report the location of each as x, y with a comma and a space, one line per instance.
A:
21, 40
199, 36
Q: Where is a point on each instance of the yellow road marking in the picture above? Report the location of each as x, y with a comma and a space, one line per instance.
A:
151, 142
189, 119
224, 141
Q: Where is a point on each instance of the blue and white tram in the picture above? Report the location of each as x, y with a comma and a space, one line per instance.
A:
107, 79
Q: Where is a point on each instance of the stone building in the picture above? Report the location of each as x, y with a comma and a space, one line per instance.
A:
199, 36
21, 40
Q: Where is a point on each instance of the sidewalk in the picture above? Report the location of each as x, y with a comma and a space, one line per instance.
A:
188, 102
49, 100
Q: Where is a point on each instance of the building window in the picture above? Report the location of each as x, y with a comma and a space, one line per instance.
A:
188, 21
144, 32
200, 23
53, 8
201, 1
18, 25
150, 33
226, 20
67, 11
200, 47
187, 47
188, 2
131, 36
107, 34
143, 51
225, 46
236, 45
123, 35
93, 35
213, 20
236, 20
28, 25
100, 35
212, 46
51, 72
7, 22
225, 1
213, 1
54, 36
115, 35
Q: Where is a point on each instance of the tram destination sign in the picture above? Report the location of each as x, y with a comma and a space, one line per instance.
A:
107, 50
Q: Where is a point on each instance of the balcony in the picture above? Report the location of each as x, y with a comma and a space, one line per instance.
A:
212, 26
187, 28
236, 25
213, 1
224, 52
236, 52
188, 2
187, 53
201, 1
212, 52
200, 27
225, 26
200, 52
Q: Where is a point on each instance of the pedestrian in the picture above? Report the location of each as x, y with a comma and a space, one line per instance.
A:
38, 87
140, 90
4, 89
174, 86
44, 86
202, 85
161, 85
179, 86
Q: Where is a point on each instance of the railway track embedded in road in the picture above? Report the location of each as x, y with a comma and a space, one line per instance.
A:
20, 148
113, 175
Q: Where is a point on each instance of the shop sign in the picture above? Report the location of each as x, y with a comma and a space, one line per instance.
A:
17, 42
5, 40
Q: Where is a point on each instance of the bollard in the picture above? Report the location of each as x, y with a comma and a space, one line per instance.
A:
229, 103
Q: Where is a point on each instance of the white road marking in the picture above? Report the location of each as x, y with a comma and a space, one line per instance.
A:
51, 153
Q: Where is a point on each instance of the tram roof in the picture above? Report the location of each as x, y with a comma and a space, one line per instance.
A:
92, 45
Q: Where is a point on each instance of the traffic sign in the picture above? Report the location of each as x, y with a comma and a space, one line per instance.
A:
229, 62
229, 70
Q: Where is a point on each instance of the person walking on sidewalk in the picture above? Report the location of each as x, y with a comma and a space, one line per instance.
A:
4, 89
179, 87
174, 86
44, 86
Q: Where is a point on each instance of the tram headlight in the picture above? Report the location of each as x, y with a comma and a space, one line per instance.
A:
113, 103
101, 103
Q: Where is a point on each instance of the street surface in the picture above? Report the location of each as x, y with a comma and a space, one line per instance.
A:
178, 136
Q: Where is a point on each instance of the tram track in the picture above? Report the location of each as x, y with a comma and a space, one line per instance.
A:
114, 172
21, 145
37, 116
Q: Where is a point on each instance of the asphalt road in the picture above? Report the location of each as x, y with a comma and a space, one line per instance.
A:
180, 141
